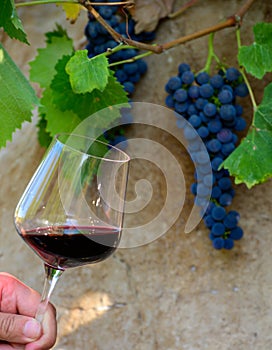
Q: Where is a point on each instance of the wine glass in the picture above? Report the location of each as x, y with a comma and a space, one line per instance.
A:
71, 212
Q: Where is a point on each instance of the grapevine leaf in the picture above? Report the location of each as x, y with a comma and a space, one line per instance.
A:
87, 74
59, 32
10, 21
57, 120
72, 11
147, 14
86, 104
17, 97
251, 162
42, 69
257, 58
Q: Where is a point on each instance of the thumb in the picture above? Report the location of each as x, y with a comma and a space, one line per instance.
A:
19, 329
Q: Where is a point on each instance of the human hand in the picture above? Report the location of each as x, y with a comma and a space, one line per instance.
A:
18, 328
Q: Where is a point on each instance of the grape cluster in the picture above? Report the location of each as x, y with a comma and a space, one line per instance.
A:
99, 41
210, 105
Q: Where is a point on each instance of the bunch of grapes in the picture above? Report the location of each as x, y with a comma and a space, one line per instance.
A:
99, 41
209, 104
127, 73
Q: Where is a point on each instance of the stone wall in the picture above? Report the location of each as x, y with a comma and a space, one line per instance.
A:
176, 293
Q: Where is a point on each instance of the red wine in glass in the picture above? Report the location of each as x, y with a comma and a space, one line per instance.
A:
71, 212
69, 246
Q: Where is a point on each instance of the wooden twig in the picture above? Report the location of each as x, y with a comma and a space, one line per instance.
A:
116, 36
234, 20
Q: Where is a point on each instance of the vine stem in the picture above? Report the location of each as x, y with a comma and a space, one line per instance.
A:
44, 2
133, 59
242, 71
158, 48
230, 22
116, 36
211, 55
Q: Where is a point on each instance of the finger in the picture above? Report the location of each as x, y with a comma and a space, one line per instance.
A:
12, 346
16, 297
49, 334
19, 329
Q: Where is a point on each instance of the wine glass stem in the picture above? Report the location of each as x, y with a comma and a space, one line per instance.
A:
51, 278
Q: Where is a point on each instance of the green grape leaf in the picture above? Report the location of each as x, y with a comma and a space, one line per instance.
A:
257, 58
84, 105
251, 162
17, 97
87, 74
10, 21
42, 69
57, 120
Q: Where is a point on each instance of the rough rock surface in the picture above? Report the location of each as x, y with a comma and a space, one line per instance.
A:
176, 293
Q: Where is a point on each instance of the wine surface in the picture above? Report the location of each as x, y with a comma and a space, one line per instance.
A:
69, 246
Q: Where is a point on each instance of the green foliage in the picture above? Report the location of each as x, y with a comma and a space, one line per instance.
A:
257, 58
10, 21
75, 87
42, 69
87, 104
251, 162
87, 74
17, 97
57, 120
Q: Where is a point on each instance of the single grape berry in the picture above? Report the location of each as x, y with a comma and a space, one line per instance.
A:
218, 229
195, 120
228, 243
224, 183
183, 67
241, 90
225, 96
215, 125
236, 233
193, 91
216, 162
203, 132
214, 145
232, 74
174, 83
231, 220
227, 112
225, 199
210, 109
218, 213
217, 81
202, 78
187, 77
216, 192
206, 90
218, 243
180, 95
224, 135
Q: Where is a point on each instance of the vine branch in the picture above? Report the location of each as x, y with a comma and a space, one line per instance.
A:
116, 36
127, 4
234, 20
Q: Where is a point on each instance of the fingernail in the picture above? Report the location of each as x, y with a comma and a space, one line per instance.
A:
32, 329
